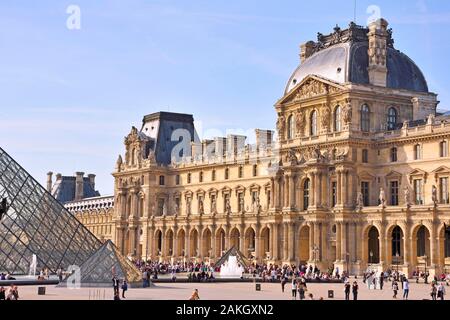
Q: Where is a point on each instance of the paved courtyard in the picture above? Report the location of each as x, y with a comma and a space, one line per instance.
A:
220, 291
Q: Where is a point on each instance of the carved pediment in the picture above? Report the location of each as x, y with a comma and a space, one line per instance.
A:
442, 170
310, 87
418, 174
393, 175
364, 175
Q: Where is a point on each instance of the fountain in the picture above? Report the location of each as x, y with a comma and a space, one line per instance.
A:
33, 266
231, 268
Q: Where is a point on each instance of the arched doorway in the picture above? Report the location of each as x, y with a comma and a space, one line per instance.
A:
158, 242
234, 238
373, 246
220, 243
304, 248
422, 246
194, 243
265, 244
397, 246
169, 243
250, 241
181, 243
207, 248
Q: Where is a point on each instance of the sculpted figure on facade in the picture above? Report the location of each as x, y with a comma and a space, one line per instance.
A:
300, 123
164, 209
280, 125
227, 206
325, 117
360, 201
382, 198
434, 196
119, 164
201, 209
407, 195
214, 206
347, 113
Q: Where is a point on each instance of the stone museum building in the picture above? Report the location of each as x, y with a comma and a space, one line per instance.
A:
356, 175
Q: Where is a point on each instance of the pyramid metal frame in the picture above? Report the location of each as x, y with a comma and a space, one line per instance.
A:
233, 252
36, 223
105, 263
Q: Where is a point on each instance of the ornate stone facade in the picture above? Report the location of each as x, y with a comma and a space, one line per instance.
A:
358, 177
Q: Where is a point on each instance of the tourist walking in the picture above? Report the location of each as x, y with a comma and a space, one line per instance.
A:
381, 280
405, 289
294, 289
283, 283
2, 293
433, 291
355, 289
301, 289
124, 288
441, 291
395, 289
347, 287
116, 283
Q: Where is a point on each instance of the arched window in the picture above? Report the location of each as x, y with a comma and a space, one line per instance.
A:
291, 127
365, 118
306, 194
337, 119
313, 123
397, 241
227, 173
391, 119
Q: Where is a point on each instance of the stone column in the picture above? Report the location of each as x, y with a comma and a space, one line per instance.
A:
286, 190
338, 241
318, 190
213, 242
317, 241
344, 249
175, 242
311, 241
285, 241
358, 242
291, 242
272, 191
242, 240
433, 246
150, 242
324, 242
227, 238
344, 187
312, 192
274, 252
382, 242
325, 195
132, 240
339, 187
187, 243
201, 242
292, 185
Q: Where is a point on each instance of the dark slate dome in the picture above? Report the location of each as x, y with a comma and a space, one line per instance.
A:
347, 61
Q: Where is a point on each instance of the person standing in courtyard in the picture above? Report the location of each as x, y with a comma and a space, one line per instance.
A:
347, 287
405, 289
355, 289
124, 287
433, 291
381, 280
294, 289
195, 295
116, 283
283, 283
441, 291
395, 289
301, 289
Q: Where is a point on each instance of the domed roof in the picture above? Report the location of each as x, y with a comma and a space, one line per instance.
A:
348, 62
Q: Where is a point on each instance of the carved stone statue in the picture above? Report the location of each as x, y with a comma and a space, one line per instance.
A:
360, 201
151, 156
431, 119
407, 196
347, 113
256, 206
300, 122
164, 209
325, 118
119, 163
242, 205
280, 125
201, 209
213, 206
188, 206
382, 198
434, 194
291, 157
227, 206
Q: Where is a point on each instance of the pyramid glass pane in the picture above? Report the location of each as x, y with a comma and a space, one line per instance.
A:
36, 223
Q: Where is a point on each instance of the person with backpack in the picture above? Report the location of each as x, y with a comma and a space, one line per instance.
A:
302, 289
433, 291
124, 288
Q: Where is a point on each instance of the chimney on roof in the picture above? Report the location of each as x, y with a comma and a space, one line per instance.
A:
49, 181
92, 180
378, 45
264, 138
306, 50
79, 186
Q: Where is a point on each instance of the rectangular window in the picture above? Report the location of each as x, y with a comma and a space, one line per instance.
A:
227, 173
444, 149
254, 196
213, 175
417, 152
200, 177
255, 170
160, 207
394, 155
241, 172
334, 193
418, 198
177, 179
161, 180
394, 193
365, 193
365, 156
189, 178
443, 190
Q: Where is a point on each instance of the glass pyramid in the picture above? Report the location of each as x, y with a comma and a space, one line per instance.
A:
107, 262
36, 223
242, 260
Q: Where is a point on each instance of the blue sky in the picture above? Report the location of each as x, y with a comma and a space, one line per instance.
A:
68, 97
